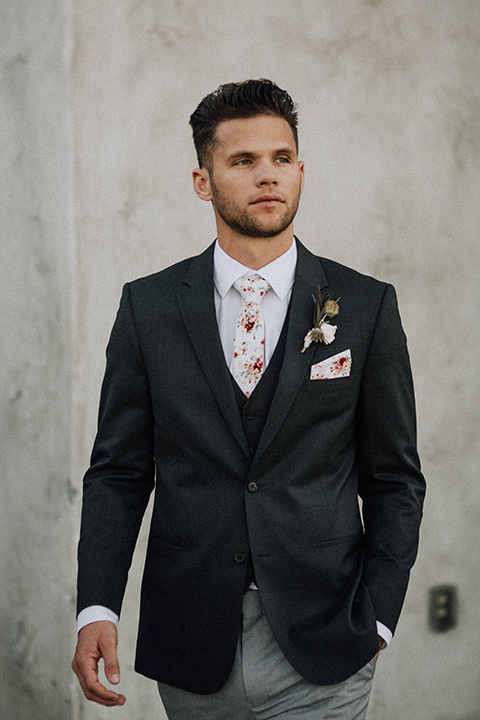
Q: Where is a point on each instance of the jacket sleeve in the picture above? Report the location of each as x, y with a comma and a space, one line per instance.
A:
120, 479
392, 486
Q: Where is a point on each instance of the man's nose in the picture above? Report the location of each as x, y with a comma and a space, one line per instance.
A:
267, 174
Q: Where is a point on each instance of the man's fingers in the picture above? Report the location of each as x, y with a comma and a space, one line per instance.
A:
94, 690
95, 641
108, 650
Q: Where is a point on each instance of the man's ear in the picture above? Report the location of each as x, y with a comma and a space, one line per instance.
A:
201, 183
301, 165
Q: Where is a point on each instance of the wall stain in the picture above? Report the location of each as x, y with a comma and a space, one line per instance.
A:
72, 491
19, 644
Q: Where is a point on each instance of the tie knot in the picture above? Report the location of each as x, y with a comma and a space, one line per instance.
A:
252, 288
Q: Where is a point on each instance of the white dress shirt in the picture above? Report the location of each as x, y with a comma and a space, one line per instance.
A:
280, 275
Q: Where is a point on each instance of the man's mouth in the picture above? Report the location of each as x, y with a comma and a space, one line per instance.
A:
268, 200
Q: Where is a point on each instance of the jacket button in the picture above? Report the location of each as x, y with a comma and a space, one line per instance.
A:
252, 487
239, 557
250, 415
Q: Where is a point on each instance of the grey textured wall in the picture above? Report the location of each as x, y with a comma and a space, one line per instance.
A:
36, 274
95, 190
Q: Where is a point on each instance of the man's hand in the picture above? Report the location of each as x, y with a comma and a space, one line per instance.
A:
98, 640
380, 647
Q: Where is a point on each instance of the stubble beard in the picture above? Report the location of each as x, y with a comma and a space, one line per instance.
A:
244, 224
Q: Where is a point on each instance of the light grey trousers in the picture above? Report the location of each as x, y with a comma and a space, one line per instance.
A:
263, 685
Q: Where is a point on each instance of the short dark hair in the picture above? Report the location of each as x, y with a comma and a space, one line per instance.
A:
239, 100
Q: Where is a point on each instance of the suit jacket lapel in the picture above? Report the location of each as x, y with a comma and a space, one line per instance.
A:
309, 276
197, 305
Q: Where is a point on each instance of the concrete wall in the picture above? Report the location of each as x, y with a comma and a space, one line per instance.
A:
36, 274
97, 190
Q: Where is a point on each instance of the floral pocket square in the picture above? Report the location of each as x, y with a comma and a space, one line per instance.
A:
337, 366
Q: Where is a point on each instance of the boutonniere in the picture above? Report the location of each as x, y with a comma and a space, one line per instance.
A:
322, 331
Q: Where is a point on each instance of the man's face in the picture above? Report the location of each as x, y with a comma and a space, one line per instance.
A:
255, 177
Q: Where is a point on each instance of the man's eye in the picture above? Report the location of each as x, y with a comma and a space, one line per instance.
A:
283, 160
244, 161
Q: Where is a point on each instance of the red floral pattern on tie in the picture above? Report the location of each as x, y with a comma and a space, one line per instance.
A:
248, 358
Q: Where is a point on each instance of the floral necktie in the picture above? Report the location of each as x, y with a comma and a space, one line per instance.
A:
248, 357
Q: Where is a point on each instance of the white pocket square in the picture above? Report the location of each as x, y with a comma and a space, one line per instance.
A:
337, 366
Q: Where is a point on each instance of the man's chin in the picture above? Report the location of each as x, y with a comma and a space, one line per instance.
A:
255, 226
265, 230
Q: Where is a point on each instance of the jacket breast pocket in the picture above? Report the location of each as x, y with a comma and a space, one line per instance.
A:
332, 385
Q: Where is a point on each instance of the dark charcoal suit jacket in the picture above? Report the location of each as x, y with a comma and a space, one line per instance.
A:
169, 420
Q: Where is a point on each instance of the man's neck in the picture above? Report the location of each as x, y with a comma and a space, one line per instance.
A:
255, 253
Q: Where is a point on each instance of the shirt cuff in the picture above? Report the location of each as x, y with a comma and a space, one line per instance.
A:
385, 634
98, 613
95, 613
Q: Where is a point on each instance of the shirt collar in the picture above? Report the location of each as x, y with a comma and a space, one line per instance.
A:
280, 273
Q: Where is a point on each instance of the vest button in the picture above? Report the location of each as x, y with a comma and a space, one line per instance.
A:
251, 451
250, 415
239, 557
252, 487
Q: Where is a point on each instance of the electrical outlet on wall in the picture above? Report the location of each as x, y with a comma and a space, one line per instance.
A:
442, 610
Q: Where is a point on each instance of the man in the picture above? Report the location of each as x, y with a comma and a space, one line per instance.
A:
266, 590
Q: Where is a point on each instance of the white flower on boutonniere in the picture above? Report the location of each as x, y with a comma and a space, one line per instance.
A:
322, 331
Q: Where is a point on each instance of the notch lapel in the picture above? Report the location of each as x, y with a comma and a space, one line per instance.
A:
309, 276
197, 305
